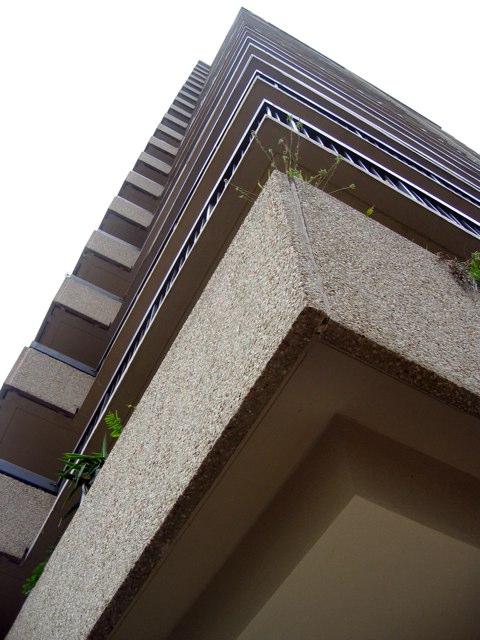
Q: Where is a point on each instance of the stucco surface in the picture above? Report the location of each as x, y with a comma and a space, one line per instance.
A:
50, 380
393, 303
23, 510
301, 265
249, 325
112, 248
88, 301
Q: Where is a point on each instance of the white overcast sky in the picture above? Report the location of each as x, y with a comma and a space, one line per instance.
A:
84, 85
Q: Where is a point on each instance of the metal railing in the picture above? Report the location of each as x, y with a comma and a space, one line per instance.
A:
406, 187
368, 137
28, 477
313, 134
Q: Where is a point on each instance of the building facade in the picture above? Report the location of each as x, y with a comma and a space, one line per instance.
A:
299, 381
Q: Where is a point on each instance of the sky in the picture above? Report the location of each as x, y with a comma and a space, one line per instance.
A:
84, 85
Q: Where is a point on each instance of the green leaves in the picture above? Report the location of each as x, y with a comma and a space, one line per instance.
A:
37, 571
81, 469
473, 267
114, 423
467, 273
289, 152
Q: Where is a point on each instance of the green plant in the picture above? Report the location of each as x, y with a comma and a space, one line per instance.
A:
289, 152
114, 423
37, 571
467, 273
473, 267
81, 469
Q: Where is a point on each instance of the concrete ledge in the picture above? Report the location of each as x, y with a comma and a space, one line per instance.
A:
185, 103
187, 98
49, 380
145, 184
198, 76
131, 212
180, 123
181, 111
151, 161
193, 86
113, 249
88, 301
23, 510
392, 303
164, 146
170, 132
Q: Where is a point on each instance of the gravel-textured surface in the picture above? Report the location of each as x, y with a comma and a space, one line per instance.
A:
394, 304
23, 510
302, 264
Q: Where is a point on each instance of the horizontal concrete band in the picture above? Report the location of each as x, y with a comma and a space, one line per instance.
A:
174, 120
155, 163
185, 103
181, 111
28, 477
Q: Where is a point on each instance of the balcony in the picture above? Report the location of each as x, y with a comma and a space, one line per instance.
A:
324, 383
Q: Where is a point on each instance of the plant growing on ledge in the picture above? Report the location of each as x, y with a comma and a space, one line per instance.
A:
81, 469
468, 272
290, 163
473, 267
37, 571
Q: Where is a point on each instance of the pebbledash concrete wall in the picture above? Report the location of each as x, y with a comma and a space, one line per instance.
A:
23, 510
392, 303
50, 380
88, 300
302, 265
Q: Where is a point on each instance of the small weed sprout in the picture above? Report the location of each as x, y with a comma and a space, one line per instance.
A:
473, 268
81, 469
467, 273
290, 166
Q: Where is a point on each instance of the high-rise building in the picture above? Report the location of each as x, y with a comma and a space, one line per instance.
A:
295, 365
